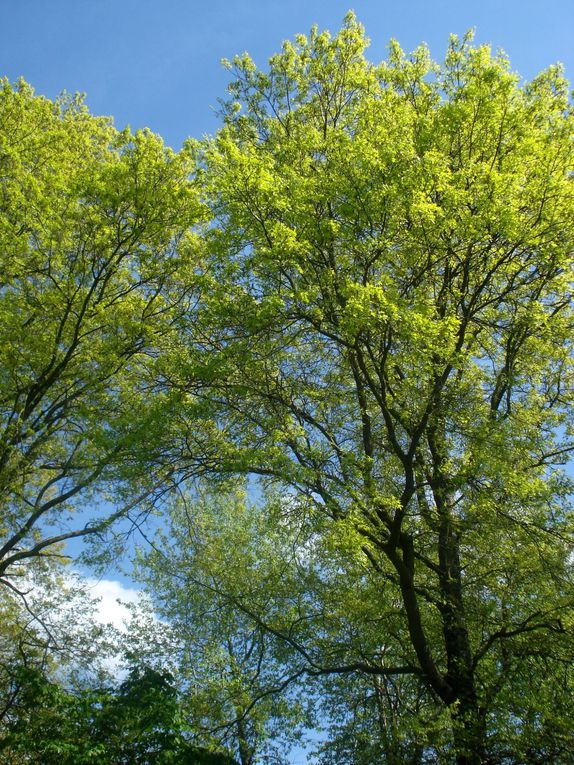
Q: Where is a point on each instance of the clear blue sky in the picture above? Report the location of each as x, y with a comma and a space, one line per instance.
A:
156, 63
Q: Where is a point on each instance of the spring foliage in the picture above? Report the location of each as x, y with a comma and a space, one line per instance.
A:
376, 321
389, 314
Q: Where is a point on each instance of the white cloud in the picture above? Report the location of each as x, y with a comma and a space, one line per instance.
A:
110, 596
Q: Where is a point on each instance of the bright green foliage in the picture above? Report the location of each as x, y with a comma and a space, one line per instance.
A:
93, 229
378, 320
387, 333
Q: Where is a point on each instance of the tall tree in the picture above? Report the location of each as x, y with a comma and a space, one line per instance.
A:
388, 334
93, 227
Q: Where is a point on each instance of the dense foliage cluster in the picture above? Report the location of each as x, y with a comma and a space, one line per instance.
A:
336, 340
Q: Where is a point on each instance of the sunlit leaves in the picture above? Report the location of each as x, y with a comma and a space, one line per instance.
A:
393, 336
96, 266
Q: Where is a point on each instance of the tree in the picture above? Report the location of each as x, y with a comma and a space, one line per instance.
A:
267, 614
93, 228
377, 719
37, 640
135, 723
387, 334
142, 723
234, 680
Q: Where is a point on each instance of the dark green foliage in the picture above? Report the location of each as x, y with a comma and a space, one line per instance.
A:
135, 724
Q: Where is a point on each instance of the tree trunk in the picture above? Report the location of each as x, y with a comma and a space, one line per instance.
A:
246, 751
469, 733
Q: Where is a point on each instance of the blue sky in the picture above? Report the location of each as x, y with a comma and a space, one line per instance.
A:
157, 64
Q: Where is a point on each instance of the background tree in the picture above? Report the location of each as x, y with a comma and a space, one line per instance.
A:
387, 334
135, 723
48, 629
93, 227
235, 681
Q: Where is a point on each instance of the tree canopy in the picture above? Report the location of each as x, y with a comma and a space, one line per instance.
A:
135, 723
356, 301
387, 335
93, 225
